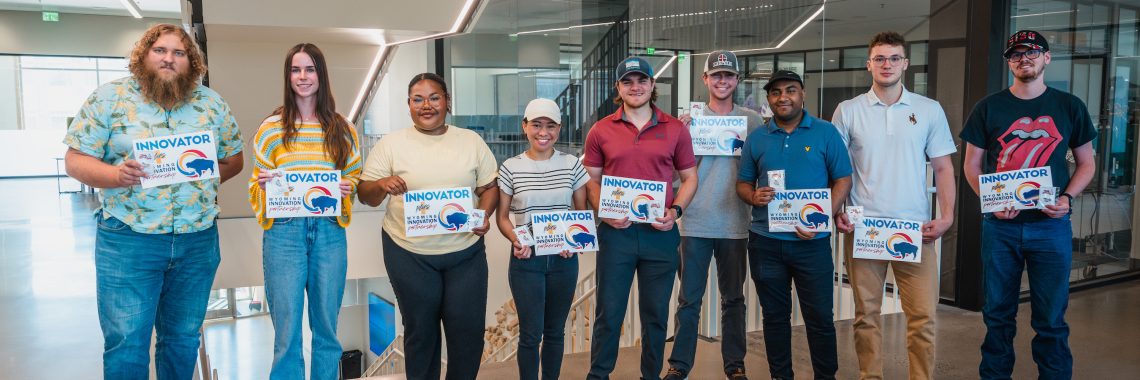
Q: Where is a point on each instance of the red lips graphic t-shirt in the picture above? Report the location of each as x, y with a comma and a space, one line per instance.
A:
1021, 134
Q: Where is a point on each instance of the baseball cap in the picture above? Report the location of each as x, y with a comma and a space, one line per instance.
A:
722, 60
783, 75
634, 65
1028, 38
542, 107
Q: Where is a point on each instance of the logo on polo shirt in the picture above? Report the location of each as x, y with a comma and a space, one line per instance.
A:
913, 120
1028, 193
807, 149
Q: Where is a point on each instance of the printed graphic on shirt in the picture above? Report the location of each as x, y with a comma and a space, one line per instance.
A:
1028, 143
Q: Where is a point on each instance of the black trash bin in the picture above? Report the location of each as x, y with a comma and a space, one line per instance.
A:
351, 365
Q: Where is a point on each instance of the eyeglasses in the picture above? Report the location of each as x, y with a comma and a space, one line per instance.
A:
894, 59
1017, 56
434, 100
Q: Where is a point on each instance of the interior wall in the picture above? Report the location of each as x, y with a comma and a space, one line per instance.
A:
9, 94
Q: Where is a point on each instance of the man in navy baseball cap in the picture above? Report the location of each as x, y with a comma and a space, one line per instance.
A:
634, 65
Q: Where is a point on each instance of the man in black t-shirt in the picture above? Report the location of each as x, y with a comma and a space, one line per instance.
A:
1028, 125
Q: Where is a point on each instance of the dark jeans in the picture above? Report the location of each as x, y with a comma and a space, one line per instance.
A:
652, 255
1044, 249
450, 288
732, 269
543, 287
775, 263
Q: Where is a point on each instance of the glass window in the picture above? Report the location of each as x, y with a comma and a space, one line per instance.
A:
855, 58
821, 60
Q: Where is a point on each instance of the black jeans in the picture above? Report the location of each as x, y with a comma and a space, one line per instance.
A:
450, 288
652, 255
731, 271
543, 287
775, 263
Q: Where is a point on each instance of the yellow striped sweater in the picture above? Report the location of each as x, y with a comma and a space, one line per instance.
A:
305, 152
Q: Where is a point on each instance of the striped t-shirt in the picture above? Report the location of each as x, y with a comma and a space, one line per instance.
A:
305, 152
539, 186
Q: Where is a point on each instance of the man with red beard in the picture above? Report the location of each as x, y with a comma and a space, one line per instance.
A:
1022, 128
156, 248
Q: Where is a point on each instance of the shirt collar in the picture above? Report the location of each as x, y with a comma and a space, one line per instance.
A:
872, 99
807, 121
620, 116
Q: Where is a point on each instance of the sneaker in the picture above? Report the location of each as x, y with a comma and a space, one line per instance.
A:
675, 374
738, 374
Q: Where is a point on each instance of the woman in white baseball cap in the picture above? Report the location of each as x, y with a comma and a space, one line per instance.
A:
540, 179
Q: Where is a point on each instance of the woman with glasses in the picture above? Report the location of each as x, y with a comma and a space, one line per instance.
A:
305, 257
440, 278
538, 180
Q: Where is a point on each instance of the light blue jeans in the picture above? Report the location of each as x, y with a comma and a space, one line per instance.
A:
304, 256
152, 282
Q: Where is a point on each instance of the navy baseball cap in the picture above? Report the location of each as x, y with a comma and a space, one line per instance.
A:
783, 75
634, 65
1028, 38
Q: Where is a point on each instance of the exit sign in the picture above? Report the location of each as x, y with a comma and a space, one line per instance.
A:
51, 16
650, 50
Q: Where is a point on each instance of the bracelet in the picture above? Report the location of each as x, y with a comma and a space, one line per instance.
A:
1070, 198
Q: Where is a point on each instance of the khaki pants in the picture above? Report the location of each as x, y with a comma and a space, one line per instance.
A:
918, 291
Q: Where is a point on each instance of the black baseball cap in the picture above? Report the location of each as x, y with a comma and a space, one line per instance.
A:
1028, 38
634, 65
783, 75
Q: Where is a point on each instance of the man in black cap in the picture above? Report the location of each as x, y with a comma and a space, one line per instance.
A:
1027, 126
715, 225
811, 154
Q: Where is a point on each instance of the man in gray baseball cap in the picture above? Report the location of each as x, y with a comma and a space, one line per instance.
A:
715, 225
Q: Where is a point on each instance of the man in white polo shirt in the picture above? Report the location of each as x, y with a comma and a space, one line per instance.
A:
890, 133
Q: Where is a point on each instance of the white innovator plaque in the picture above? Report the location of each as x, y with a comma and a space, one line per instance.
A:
888, 239
1020, 189
437, 212
558, 231
718, 135
303, 194
808, 209
177, 158
640, 200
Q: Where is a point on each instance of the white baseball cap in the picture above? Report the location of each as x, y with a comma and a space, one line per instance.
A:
543, 108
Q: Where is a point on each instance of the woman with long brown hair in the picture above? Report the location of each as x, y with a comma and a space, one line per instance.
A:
305, 255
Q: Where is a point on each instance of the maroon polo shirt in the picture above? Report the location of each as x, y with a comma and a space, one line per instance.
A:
662, 147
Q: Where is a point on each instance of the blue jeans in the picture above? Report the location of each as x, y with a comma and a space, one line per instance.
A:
1045, 249
775, 263
304, 256
731, 270
543, 287
152, 282
652, 255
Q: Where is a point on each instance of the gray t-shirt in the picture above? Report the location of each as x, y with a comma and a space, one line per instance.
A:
716, 212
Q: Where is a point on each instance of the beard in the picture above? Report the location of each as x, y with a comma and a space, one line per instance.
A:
1026, 77
168, 93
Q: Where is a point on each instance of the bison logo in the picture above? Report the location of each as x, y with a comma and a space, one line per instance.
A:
193, 164
319, 200
452, 216
899, 246
640, 206
812, 216
1028, 193
578, 236
729, 141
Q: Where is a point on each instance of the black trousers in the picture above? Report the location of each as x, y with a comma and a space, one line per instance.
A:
431, 289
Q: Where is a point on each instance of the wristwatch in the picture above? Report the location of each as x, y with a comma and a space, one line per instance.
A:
678, 209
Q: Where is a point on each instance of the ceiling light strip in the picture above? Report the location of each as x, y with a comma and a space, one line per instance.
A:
132, 7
